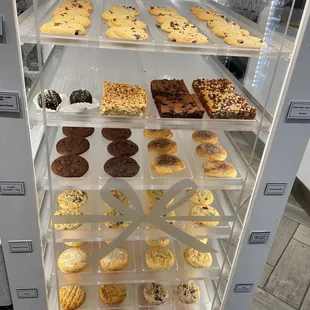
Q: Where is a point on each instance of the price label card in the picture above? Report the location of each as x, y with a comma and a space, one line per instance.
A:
299, 110
9, 102
12, 188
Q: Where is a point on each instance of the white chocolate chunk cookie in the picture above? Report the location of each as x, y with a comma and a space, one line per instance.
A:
185, 37
82, 20
124, 22
244, 41
161, 18
176, 25
63, 28
126, 33
156, 10
71, 11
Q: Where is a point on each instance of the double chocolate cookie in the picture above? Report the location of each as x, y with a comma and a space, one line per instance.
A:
70, 166
122, 148
82, 132
121, 167
72, 145
113, 134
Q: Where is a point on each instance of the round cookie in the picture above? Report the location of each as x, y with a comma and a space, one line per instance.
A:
71, 11
188, 292
120, 196
112, 294
219, 169
72, 260
197, 9
81, 95
197, 259
123, 8
159, 258
66, 28
205, 136
161, 18
153, 195
226, 31
108, 15
72, 146
170, 213
51, 98
126, 33
70, 166
206, 15
121, 224
188, 37
113, 134
211, 151
72, 199
74, 243
158, 133
156, 10
201, 197
162, 146
203, 210
167, 164
118, 259
121, 167
68, 226
155, 293
178, 25
82, 132
76, 5
71, 297
244, 41
78, 19
125, 22
158, 243
122, 148
223, 22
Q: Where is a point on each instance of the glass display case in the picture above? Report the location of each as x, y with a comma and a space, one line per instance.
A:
129, 165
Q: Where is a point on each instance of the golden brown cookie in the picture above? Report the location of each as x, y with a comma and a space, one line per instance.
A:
74, 5
126, 33
123, 8
69, 226
211, 151
245, 41
219, 169
188, 292
205, 136
223, 22
197, 259
156, 10
155, 293
66, 28
170, 213
72, 11
112, 294
153, 195
158, 243
197, 9
72, 260
226, 31
203, 210
78, 19
201, 197
158, 133
120, 224
108, 15
161, 18
120, 196
159, 258
178, 25
208, 15
162, 146
118, 259
167, 164
71, 297
125, 22
72, 199
188, 37
78, 243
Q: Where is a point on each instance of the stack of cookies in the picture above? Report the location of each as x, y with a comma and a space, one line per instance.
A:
215, 165
71, 18
164, 148
227, 29
220, 101
121, 165
123, 24
178, 27
173, 100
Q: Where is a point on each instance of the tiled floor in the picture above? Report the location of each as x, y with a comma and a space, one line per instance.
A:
286, 278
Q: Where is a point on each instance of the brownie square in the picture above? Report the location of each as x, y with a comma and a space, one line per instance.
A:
179, 106
226, 105
168, 88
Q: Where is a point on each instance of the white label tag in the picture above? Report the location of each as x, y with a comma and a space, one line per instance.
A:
275, 189
12, 188
9, 102
243, 288
299, 110
20, 246
27, 293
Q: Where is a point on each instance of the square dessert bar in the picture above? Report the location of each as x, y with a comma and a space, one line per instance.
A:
179, 106
221, 85
226, 105
168, 87
123, 100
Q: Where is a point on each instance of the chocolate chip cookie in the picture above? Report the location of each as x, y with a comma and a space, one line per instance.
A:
113, 134
78, 131
155, 293
121, 167
70, 166
122, 148
72, 145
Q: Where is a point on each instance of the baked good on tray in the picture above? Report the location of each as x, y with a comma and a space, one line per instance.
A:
72, 260
222, 85
155, 293
118, 259
205, 136
72, 11
157, 133
83, 132
162, 146
188, 292
63, 28
168, 87
156, 10
161, 18
126, 22
159, 258
219, 169
197, 259
122, 148
113, 134
51, 98
123, 100
185, 37
70, 166
211, 151
167, 164
71, 297
112, 294
126, 33
179, 106
78, 19
121, 167
178, 24
72, 145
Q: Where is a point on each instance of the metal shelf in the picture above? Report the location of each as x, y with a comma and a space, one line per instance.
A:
157, 41
71, 68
